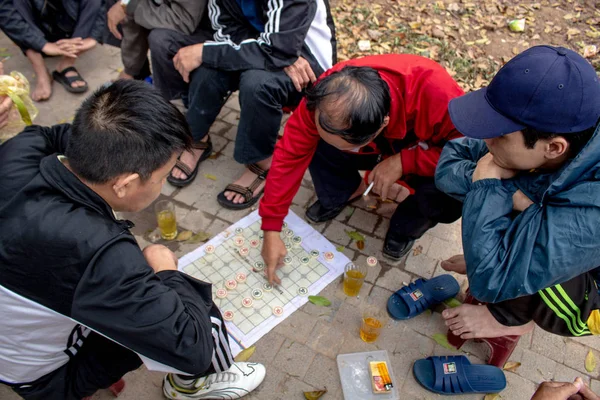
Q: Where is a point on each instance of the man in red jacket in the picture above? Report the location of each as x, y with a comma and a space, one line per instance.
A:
388, 114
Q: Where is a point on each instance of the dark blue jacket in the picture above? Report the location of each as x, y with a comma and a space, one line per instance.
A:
512, 254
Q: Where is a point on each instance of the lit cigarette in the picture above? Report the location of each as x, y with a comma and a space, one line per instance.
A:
368, 189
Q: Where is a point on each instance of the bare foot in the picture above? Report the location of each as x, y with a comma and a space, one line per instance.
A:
189, 158
456, 264
43, 86
471, 322
246, 180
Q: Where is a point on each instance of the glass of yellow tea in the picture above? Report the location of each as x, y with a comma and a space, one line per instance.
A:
354, 276
167, 223
373, 321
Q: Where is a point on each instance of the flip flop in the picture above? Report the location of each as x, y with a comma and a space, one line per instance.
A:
62, 78
420, 295
451, 375
191, 173
248, 192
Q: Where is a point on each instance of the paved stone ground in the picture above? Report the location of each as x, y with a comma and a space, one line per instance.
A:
300, 353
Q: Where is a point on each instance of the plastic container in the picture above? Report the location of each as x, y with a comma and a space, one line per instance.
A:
356, 378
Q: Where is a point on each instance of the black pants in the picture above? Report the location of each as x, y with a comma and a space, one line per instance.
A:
164, 44
99, 364
263, 94
54, 24
561, 309
336, 177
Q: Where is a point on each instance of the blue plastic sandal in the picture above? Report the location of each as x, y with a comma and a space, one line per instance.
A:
449, 375
420, 295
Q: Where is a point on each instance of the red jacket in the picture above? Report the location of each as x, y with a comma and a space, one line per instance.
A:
420, 91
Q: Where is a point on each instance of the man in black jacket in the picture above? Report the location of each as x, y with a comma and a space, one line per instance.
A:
270, 51
81, 304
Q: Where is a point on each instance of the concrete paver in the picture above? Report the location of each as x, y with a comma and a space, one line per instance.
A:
300, 353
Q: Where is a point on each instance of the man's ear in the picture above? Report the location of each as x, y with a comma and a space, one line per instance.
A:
386, 121
124, 184
556, 147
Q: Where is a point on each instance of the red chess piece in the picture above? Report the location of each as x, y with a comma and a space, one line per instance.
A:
500, 348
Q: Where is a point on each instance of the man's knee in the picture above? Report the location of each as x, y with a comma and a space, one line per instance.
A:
263, 85
162, 43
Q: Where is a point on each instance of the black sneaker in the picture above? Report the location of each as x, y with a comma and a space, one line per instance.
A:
396, 249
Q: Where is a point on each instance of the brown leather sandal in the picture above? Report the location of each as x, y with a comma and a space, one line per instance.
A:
191, 174
247, 192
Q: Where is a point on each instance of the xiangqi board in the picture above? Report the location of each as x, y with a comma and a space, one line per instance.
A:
232, 262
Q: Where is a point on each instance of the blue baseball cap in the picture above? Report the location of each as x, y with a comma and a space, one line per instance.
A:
551, 89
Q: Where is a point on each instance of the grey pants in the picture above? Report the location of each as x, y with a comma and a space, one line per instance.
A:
163, 45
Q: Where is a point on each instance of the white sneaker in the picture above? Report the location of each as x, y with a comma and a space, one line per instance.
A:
236, 382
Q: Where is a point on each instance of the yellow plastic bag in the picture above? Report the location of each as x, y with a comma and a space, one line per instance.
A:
22, 114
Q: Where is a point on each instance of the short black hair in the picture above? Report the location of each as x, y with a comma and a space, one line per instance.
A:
576, 140
366, 102
127, 127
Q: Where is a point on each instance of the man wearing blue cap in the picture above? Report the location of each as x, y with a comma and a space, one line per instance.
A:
528, 173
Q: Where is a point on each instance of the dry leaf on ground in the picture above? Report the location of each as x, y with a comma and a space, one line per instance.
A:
319, 301
511, 366
355, 236
442, 340
314, 395
245, 354
184, 235
492, 396
199, 237
590, 361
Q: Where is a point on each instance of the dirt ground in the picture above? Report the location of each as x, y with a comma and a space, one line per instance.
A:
472, 39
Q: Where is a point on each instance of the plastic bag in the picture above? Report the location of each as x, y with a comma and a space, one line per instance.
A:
23, 112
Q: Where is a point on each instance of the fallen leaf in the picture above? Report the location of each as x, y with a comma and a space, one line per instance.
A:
360, 244
453, 302
417, 250
245, 354
511, 366
355, 235
210, 176
199, 237
314, 395
184, 235
414, 25
491, 396
442, 340
373, 34
319, 301
340, 248
572, 32
590, 361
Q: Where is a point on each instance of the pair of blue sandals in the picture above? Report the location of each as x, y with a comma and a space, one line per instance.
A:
447, 375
